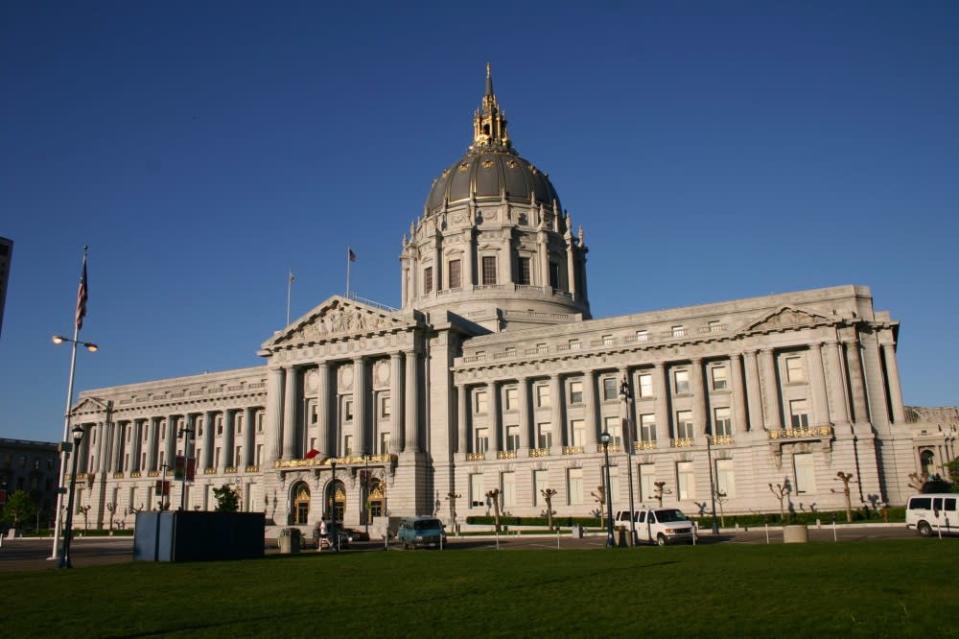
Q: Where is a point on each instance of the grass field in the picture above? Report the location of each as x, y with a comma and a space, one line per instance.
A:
865, 589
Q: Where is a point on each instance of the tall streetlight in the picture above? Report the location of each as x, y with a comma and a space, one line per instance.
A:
78, 432
610, 541
712, 486
627, 395
61, 488
335, 537
186, 433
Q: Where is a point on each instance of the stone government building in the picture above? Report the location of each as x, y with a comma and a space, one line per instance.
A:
494, 374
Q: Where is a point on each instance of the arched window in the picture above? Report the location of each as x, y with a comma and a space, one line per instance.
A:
335, 502
927, 460
301, 504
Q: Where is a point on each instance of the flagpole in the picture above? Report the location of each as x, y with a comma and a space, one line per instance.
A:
289, 296
66, 431
348, 260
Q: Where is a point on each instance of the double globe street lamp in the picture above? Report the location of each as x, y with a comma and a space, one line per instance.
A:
610, 541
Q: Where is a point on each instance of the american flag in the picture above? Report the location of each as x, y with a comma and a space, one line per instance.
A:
82, 295
350, 255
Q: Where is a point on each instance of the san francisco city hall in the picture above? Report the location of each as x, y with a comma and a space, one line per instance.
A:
494, 374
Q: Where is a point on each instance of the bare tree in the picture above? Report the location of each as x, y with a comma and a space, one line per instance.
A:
85, 511
781, 492
845, 478
658, 491
548, 494
493, 496
112, 509
721, 499
599, 496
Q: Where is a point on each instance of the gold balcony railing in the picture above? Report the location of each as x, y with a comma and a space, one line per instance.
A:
230, 470
135, 474
539, 452
475, 456
251, 469
809, 432
506, 454
574, 450
640, 446
682, 442
209, 471
153, 473
118, 474
721, 440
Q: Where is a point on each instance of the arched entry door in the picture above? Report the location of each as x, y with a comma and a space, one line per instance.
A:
335, 501
376, 502
301, 504
928, 460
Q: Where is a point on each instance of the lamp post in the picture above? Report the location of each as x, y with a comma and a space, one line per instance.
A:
93, 348
78, 433
610, 541
712, 486
186, 433
627, 395
333, 533
164, 491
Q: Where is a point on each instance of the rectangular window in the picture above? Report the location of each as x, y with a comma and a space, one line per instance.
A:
610, 389
576, 392
544, 435
453, 271
553, 275
614, 426
347, 444
259, 422
678, 331
713, 326
524, 275
238, 456
722, 425
682, 382
725, 478
427, 279
642, 336
508, 489
645, 385
799, 413
647, 481
574, 344
314, 416
578, 428
805, 473
719, 378
540, 483
219, 425
384, 443
348, 410
574, 481
482, 441
607, 340
647, 427
512, 437
386, 406
489, 270
684, 424
477, 497
512, 398
216, 457
542, 396
239, 424
482, 406
794, 370
686, 480
259, 454
614, 484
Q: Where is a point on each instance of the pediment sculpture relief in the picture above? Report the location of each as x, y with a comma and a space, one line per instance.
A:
786, 318
339, 319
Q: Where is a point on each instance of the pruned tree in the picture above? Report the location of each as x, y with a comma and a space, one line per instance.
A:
721, 499
659, 489
112, 509
548, 494
85, 511
493, 496
19, 508
599, 496
227, 499
451, 497
781, 492
846, 479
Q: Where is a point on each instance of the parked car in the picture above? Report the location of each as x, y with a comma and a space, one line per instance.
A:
932, 513
660, 526
421, 531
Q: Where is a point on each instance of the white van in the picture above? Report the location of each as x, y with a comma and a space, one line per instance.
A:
933, 514
660, 526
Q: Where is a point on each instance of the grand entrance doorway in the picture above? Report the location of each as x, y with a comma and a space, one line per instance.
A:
376, 501
301, 504
335, 502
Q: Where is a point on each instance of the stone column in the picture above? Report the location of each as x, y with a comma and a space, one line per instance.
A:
189, 443
323, 409
817, 374
559, 435
856, 382
754, 392
524, 414
771, 390
591, 407
895, 388
289, 414
700, 397
170, 443
136, 441
543, 258
468, 251
103, 455
361, 427
274, 414
437, 263
396, 405
412, 396
226, 458
119, 434
571, 264
661, 388
462, 410
404, 277
492, 416
249, 437
209, 438
153, 443
739, 392
629, 410
508, 256
83, 450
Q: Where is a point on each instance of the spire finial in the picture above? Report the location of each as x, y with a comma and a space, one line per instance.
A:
489, 79
489, 122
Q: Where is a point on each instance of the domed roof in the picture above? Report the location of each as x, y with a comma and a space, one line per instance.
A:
491, 168
491, 173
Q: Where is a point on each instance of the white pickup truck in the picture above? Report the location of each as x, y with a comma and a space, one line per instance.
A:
660, 526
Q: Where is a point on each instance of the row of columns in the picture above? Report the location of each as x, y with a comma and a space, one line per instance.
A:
287, 430
756, 397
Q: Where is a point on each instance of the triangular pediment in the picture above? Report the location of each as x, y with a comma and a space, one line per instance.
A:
785, 318
88, 405
334, 318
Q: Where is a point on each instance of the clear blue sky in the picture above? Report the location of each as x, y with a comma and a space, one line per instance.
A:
710, 150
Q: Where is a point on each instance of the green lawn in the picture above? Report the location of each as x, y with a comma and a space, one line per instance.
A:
868, 589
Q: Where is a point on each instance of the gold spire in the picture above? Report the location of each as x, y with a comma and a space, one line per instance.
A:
489, 121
